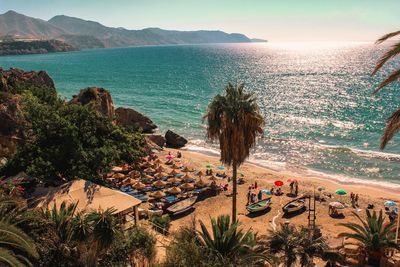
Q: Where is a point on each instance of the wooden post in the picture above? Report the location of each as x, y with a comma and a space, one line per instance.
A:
397, 226
136, 211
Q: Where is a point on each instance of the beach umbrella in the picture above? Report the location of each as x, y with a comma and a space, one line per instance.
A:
187, 178
200, 174
128, 181
159, 183
116, 169
169, 156
221, 167
158, 161
266, 191
174, 166
173, 172
341, 192
158, 194
186, 169
209, 166
337, 205
160, 175
119, 176
147, 177
149, 170
174, 190
321, 188
212, 178
147, 164
160, 169
174, 180
278, 183
292, 180
390, 203
200, 183
187, 186
139, 185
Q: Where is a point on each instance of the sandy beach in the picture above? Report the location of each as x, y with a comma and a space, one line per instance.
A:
221, 204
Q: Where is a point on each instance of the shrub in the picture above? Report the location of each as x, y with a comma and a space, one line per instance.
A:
161, 223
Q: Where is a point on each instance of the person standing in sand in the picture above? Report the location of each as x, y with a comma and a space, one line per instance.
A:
259, 196
248, 197
296, 189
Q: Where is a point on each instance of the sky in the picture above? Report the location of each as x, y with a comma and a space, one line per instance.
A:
285, 20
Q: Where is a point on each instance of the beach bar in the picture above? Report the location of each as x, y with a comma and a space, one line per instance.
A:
90, 196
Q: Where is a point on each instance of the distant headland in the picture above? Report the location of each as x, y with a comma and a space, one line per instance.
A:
84, 34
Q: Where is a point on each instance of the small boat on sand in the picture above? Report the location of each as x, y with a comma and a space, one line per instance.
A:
259, 205
182, 206
295, 205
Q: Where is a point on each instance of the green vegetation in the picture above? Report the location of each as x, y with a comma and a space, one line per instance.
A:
226, 246
70, 141
234, 119
373, 235
294, 244
393, 122
162, 223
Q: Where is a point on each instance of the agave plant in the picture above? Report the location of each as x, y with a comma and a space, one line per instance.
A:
393, 122
16, 247
234, 119
284, 241
231, 244
373, 235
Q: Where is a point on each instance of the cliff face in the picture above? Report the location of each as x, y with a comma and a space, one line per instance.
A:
131, 118
34, 47
12, 79
101, 96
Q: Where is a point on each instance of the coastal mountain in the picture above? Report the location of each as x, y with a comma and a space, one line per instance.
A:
90, 34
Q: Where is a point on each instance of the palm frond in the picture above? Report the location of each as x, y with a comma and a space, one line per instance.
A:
391, 128
391, 53
394, 76
387, 36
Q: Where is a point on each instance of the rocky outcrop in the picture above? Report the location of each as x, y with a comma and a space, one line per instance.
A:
12, 124
174, 140
101, 96
13, 79
34, 47
157, 139
130, 118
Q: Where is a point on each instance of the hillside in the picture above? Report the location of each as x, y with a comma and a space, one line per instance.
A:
34, 47
90, 34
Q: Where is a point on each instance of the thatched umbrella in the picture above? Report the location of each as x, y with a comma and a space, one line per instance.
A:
160, 169
128, 181
174, 166
134, 174
116, 169
174, 180
187, 178
119, 176
174, 190
212, 178
159, 183
200, 183
139, 185
186, 169
187, 186
158, 161
149, 170
160, 175
200, 174
173, 172
158, 194
147, 164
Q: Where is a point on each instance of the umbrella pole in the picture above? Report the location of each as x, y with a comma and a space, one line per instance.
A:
397, 227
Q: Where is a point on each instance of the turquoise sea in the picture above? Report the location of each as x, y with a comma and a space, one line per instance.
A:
316, 97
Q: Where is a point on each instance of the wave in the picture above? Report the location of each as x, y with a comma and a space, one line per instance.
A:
200, 146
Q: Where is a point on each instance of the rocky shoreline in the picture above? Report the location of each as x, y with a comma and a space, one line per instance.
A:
34, 47
13, 127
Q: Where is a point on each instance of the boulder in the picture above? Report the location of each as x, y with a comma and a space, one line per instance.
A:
12, 124
130, 118
174, 140
101, 96
157, 139
15, 78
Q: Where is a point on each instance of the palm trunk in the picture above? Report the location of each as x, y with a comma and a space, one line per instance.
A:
234, 191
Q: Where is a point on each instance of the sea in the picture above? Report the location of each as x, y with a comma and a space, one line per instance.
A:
322, 119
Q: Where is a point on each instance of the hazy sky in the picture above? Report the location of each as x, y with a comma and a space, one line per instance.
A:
295, 20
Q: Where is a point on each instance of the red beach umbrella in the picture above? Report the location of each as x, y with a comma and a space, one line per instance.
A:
278, 183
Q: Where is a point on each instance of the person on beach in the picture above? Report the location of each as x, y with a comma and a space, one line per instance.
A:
255, 185
248, 197
253, 198
291, 187
259, 196
178, 154
296, 189
272, 190
356, 200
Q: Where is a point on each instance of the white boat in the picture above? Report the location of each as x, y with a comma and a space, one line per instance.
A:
295, 205
182, 206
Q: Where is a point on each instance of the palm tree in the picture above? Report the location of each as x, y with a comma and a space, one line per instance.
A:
393, 122
16, 247
311, 244
234, 120
373, 235
284, 241
230, 244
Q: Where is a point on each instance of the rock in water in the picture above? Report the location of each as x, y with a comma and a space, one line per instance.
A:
128, 117
174, 140
101, 96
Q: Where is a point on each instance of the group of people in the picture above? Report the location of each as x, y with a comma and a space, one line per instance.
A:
253, 197
294, 186
354, 200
